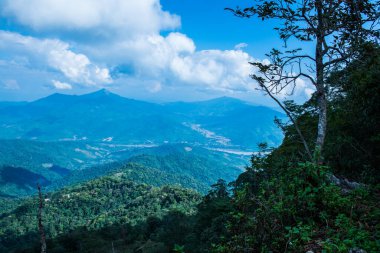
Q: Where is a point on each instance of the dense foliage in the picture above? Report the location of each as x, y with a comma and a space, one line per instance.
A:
59, 164
95, 205
352, 143
133, 172
298, 211
281, 203
354, 134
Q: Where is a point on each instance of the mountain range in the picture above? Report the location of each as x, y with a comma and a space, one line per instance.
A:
106, 117
61, 140
104, 160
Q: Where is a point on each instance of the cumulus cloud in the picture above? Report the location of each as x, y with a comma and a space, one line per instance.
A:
180, 43
129, 17
61, 85
150, 55
225, 70
56, 54
137, 42
174, 59
128, 40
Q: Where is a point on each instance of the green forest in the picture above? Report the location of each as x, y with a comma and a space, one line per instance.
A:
318, 191
281, 202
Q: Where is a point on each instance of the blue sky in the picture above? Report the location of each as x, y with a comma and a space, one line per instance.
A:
153, 50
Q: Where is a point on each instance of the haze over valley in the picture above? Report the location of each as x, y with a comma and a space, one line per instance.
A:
58, 139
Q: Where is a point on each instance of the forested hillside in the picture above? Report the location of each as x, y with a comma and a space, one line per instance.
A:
103, 205
56, 164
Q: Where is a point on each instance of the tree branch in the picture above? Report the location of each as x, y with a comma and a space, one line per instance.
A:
306, 146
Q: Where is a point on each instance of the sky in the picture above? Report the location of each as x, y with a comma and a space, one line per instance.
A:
154, 50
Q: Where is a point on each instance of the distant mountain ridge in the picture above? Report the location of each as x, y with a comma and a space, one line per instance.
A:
105, 116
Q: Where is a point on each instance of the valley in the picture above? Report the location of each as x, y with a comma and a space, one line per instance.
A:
106, 162
105, 117
61, 140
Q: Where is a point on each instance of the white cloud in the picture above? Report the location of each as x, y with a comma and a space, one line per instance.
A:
180, 43
309, 91
11, 84
77, 67
129, 35
225, 70
240, 46
174, 59
136, 42
124, 16
154, 87
61, 85
57, 55
298, 90
301, 89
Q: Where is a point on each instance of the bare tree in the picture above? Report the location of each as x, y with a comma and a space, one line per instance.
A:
40, 225
335, 27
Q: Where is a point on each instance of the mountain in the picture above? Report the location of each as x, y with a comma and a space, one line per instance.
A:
105, 116
134, 172
97, 116
214, 107
232, 122
23, 163
189, 167
11, 103
62, 139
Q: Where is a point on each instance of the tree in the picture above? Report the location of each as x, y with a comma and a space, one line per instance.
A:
219, 189
336, 28
40, 224
353, 144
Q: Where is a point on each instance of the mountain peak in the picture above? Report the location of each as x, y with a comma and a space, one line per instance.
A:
103, 91
224, 100
227, 99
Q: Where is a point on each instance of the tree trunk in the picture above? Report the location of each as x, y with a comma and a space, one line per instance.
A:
306, 146
322, 125
321, 91
40, 225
